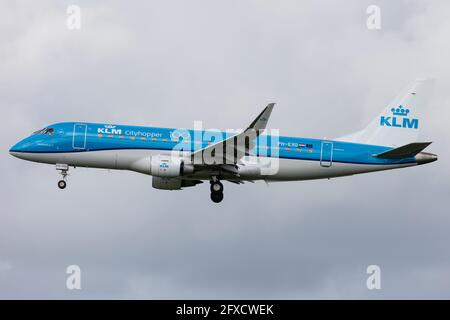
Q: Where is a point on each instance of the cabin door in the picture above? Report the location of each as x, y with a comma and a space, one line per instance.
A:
326, 154
79, 136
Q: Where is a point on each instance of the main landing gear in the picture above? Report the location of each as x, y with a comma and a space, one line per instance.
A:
216, 190
63, 168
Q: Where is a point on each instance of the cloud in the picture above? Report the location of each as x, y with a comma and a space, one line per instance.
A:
5, 266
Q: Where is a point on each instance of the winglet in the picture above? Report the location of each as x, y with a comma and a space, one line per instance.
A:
406, 151
260, 122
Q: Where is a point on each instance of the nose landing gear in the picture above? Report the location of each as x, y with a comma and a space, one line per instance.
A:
216, 190
63, 168
62, 184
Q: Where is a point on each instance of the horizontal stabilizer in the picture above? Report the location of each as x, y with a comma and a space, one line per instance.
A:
406, 151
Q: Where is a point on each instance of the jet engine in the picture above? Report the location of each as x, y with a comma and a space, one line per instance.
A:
164, 183
168, 172
169, 167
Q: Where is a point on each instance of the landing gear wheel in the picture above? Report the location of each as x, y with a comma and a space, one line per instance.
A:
62, 184
217, 196
63, 169
216, 186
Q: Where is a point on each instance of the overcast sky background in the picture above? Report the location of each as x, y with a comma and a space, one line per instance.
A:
168, 63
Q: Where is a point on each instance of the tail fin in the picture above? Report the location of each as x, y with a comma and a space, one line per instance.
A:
400, 122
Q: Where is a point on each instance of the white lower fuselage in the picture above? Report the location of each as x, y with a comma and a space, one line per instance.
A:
139, 161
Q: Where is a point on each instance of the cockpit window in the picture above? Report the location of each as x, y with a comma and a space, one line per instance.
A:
48, 131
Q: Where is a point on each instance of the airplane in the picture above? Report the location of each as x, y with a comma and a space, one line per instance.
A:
178, 158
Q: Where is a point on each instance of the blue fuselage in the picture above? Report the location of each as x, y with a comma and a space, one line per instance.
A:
72, 137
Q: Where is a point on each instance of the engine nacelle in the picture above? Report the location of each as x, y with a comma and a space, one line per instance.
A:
167, 166
164, 183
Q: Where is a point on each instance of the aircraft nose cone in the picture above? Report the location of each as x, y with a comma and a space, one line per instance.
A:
15, 148
425, 157
18, 148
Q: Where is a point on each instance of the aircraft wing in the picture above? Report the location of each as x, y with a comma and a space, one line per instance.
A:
232, 149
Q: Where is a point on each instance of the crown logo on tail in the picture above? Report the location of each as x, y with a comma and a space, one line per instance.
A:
400, 111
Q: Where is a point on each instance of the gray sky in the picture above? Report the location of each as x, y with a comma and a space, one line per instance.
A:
168, 63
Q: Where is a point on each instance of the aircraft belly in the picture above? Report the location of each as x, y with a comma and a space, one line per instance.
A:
292, 169
138, 160
111, 159
97, 159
